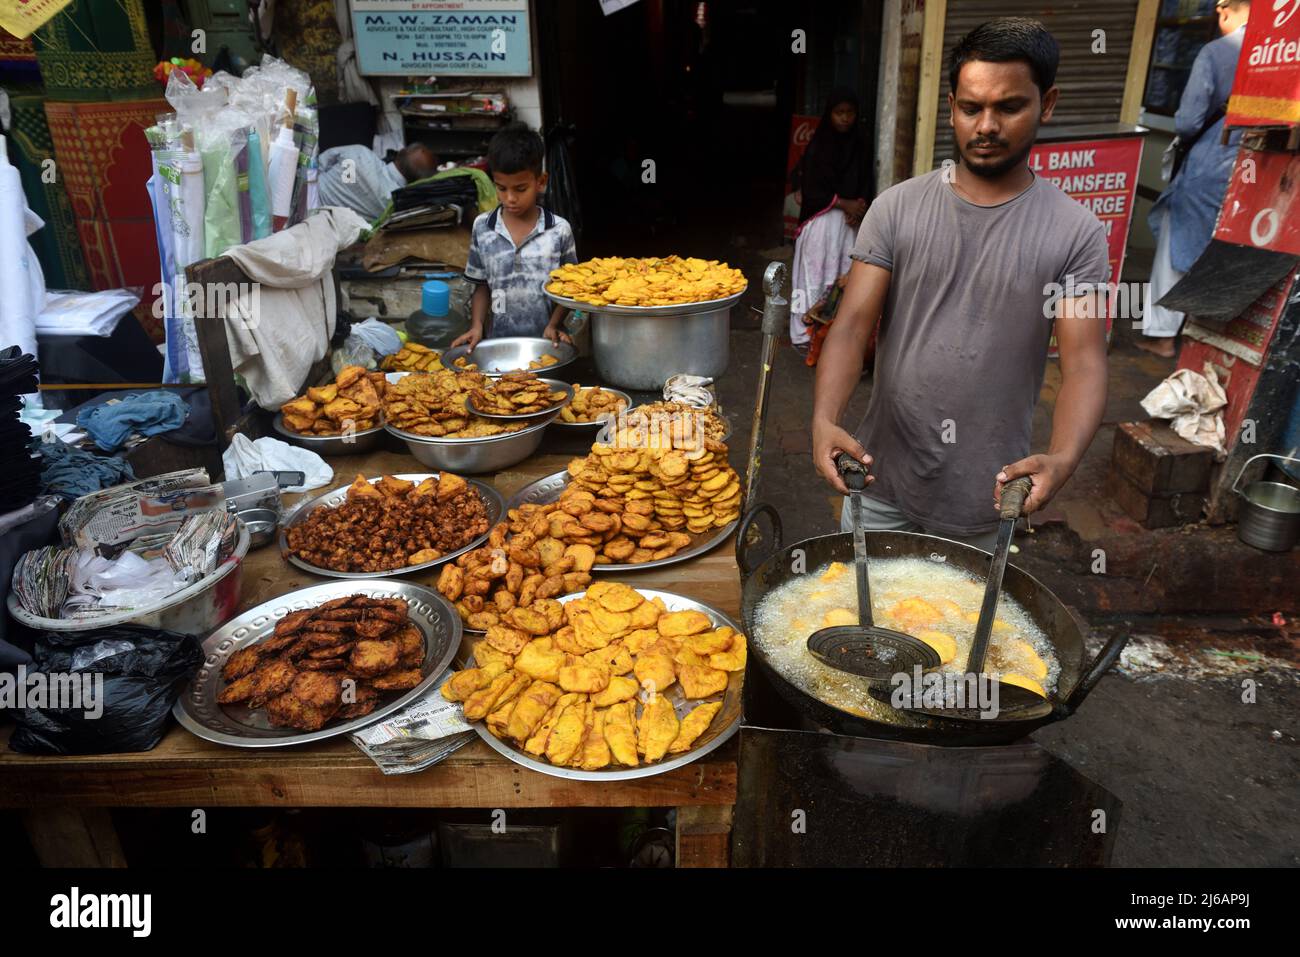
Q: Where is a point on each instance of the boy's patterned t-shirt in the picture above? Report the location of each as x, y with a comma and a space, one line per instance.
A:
515, 274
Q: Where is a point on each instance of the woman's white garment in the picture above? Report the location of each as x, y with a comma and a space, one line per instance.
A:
821, 256
1157, 320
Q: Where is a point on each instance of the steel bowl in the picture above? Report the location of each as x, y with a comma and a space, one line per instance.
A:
555, 385
495, 357
354, 444
474, 456
261, 524
194, 610
640, 347
590, 428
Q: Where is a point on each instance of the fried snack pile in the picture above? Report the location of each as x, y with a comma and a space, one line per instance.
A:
412, 357
541, 362
676, 418
666, 489
298, 673
433, 404
592, 405
515, 393
352, 400
646, 282
390, 524
488, 583
592, 683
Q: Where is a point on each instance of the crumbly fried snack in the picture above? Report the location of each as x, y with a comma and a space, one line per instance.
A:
351, 403
592, 404
646, 282
433, 404
390, 524
412, 357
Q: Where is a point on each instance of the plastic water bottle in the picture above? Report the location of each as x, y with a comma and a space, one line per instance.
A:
438, 321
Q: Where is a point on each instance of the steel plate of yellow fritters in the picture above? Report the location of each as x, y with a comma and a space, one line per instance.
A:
723, 724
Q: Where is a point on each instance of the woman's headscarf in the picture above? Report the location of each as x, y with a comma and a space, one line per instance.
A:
835, 163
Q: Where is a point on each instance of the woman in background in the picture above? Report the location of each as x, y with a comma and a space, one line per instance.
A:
834, 186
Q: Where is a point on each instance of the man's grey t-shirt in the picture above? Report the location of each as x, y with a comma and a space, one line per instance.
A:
963, 338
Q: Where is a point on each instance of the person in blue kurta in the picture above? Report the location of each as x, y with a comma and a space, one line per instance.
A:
1183, 217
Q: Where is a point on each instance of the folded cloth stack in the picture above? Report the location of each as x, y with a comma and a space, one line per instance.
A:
71, 473
147, 413
21, 478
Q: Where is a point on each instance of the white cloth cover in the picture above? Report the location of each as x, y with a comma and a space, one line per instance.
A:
293, 312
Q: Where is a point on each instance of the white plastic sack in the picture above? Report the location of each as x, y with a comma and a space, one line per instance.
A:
1194, 405
128, 581
244, 457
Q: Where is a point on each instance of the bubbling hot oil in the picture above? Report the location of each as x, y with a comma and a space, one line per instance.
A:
791, 612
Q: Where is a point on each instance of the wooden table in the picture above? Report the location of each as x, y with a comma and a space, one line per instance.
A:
65, 800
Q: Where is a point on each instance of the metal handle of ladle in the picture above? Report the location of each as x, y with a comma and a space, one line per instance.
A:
854, 475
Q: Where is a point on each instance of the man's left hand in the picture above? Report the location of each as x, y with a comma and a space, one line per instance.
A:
1047, 472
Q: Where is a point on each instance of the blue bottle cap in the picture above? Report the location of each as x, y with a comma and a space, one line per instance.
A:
435, 298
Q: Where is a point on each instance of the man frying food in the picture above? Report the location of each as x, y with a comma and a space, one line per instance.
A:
963, 268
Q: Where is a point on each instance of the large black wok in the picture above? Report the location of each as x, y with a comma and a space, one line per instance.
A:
759, 575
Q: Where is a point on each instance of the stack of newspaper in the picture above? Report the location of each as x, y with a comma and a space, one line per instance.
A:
418, 736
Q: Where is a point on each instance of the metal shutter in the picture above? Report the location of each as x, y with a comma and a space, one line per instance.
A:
1092, 84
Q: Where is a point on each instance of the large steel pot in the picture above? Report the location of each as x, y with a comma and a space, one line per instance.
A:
760, 576
639, 347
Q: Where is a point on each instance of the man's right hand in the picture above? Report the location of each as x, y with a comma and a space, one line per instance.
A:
471, 338
828, 441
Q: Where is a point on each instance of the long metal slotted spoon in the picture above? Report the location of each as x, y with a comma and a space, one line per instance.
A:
866, 649
1004, 700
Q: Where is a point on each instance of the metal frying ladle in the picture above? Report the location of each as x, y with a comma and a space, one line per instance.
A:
866, 649
1013, 701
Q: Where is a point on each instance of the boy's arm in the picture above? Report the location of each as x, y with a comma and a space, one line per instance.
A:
568, 256
478, 310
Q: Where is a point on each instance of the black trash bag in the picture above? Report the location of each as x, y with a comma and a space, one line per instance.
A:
144, 671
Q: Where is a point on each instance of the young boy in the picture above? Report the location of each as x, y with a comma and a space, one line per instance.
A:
513, 249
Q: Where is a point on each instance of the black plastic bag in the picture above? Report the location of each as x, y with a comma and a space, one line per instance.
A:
143, 671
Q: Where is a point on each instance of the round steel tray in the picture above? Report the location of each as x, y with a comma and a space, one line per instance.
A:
496, 357
236, 725
548, 489
555, 385
334, 498
677, 309
725, 723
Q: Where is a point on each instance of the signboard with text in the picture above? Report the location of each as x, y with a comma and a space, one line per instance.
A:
442, 37
1266, 88
1102, 175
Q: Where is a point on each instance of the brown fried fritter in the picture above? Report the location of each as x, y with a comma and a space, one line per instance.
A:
367, 699
373, 627
333, 651
398, 680
293, 622
237, 691
318, 689
241, 663
371, 657
289, 711
269, 680
410, 644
